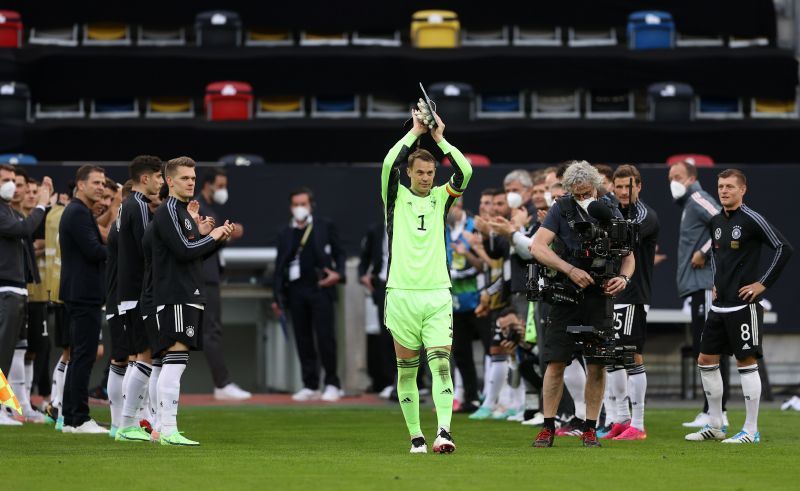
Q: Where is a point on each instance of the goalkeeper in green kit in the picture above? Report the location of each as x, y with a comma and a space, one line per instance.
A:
419, 307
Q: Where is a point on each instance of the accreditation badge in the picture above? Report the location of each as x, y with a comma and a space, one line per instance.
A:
734, 244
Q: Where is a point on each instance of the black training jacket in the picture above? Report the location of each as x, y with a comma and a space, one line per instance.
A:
639, 290
134, 215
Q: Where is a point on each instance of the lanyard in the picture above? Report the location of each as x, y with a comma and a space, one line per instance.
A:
304, 240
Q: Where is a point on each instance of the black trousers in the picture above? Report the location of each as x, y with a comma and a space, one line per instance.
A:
381, 359
312, 319
12, 324
84, 334
701, 304
466, 329
212, 337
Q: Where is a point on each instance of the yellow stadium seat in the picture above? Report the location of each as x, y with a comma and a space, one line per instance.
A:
106, 31
170, 104
435, 29
259, 34
775, 106
280, 104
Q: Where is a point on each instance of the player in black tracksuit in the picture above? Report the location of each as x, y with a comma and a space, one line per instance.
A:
630, 312
120, 346
179, 246
736, 318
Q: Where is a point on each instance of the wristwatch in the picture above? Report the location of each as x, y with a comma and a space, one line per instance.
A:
627, 280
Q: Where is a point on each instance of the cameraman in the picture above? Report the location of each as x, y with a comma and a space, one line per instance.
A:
581, 181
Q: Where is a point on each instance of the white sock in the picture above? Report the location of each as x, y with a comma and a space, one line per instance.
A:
153, 390
609, 402
519, 397
532, 401
458, 386
62, 380
28, 378
16, 379
127, 378
55, 390
498, 368
712, 386
487, 368
575, 381
618, 380
169, 389
114, 388
637, 386
751, 389
137, 384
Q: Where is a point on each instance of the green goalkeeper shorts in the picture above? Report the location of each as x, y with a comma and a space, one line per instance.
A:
418, 318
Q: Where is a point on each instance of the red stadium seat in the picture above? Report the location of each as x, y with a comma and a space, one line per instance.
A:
228, 101
475, 159
10, 29
698, 159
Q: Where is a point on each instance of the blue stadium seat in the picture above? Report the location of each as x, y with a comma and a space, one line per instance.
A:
18, 159
651, 29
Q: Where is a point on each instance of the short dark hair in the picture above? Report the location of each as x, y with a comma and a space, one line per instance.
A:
627, 170
605, 170
210, 175
739, 175
690, 168
31, 180
163, 192
82, 174
110, 184
488, 192
143, 164
562, 168
20, 172
70, 188
172, 165
302, 190
8, 168
498, 192
127, 188
420, 154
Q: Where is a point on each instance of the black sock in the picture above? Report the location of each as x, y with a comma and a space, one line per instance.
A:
590, 424
550, 423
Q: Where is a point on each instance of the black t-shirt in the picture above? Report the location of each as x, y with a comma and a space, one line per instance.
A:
112, 299
640, 288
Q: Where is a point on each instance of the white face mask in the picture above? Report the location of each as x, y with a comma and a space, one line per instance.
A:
585, 203
221, 196
7, 190
514, 200
300, 213
548, 198
677, 189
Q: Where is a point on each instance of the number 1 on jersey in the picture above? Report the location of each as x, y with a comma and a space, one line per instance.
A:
422, 223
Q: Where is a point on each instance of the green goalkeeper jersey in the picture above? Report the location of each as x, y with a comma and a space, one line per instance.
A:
415, 224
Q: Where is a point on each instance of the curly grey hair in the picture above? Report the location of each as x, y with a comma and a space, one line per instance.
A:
580, 172
523, 176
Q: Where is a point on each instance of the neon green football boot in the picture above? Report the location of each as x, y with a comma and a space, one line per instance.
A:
177, 439
132, 434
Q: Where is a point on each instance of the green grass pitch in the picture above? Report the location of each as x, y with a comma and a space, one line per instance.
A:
317, 448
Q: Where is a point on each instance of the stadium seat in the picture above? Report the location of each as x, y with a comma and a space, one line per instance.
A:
59, 109
18, 159
114, 108
747, 42
486, 37
323, 39
10, 29
56, 36
218, 29
106, 34
696, 159
435, 29
15, 101
689, 41
534, 36
651, 29
263, 36
160, 36
169, 108
718, 107
773, 108
454, 101
500, 105
474, 159
385, 39
242, 159
228, 100
335, 106
280, 107
556, 104
579, 38
609, 104
387, 108
670, 101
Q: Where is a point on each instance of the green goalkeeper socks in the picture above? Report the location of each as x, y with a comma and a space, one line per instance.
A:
439, 363
408, 394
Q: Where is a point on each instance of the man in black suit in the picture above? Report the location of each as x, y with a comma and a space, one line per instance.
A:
83, 257
372, 273
310, 264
